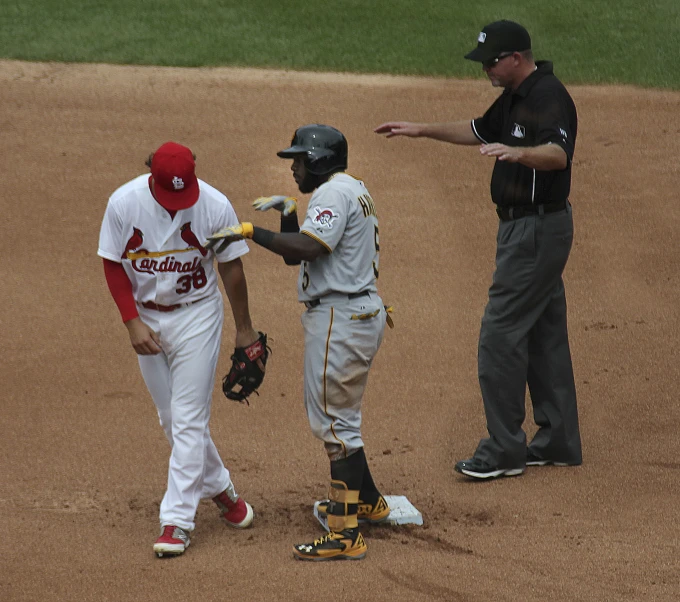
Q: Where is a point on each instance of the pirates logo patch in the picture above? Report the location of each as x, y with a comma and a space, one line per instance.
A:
324, 217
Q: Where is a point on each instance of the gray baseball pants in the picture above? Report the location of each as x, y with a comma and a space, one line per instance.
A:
341, 339
523, 340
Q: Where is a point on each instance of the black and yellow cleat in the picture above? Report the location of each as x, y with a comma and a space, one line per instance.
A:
367, 513
343, 545
373, 513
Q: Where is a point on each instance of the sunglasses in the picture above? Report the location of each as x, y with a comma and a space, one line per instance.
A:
494, 61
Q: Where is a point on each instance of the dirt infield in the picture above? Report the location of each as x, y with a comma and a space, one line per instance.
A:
84, 460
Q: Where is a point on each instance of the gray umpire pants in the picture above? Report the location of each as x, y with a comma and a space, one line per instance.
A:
524, 340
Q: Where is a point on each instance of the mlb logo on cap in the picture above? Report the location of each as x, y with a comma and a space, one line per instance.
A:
497, 38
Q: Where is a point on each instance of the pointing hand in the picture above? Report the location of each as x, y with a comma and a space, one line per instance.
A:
399, 128
227, 235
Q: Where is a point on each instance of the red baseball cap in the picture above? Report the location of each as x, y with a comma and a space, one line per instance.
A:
174, 178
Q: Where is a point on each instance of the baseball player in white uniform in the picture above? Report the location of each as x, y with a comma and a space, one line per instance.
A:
337, 248
164, 283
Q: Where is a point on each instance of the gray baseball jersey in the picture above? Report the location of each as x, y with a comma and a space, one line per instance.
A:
343, 329
342, 217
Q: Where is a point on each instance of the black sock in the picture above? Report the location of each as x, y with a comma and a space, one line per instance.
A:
350, 470
368, 493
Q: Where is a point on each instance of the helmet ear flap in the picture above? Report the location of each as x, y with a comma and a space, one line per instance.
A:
324, 149
320, 162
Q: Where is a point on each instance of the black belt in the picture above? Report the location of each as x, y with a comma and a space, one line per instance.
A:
510, 213
315, 302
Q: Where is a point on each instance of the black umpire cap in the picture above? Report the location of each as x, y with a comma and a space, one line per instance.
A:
499, 37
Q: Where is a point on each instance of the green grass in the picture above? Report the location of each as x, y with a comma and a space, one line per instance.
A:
590, 41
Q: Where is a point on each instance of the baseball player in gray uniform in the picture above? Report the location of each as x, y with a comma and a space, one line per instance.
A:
337, 249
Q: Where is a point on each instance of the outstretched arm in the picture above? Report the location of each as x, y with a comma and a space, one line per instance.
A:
234, 280
455, 132
293, 246
287, 205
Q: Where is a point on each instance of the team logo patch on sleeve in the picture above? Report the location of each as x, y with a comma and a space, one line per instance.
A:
324, 217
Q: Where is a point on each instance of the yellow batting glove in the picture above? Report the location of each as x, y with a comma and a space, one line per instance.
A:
285, 204
227, 235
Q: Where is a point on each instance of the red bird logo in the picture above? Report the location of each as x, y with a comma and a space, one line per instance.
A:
190, 238
135, 242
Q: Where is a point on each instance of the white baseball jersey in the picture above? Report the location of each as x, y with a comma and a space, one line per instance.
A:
342, 217
164, 257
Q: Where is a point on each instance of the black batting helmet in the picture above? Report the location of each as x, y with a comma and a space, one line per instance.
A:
324, 148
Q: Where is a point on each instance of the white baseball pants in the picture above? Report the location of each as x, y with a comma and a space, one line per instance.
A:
181, 380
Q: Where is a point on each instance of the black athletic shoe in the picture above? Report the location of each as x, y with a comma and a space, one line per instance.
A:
343, 545
534, 460
481, 470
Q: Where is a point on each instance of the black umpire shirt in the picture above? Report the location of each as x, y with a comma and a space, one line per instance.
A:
539, 112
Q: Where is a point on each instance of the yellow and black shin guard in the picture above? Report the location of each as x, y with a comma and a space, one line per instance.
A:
343, 507
343, 541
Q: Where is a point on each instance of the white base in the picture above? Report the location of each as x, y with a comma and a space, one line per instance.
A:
402, 512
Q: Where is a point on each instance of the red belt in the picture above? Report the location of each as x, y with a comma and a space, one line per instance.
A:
165, 308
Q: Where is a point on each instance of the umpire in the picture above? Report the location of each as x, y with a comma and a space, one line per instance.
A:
530, 130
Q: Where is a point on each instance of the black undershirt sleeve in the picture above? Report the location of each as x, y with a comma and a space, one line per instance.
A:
289, 225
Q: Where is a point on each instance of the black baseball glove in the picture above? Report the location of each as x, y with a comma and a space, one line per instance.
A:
247, 370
